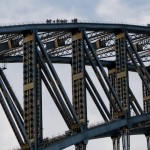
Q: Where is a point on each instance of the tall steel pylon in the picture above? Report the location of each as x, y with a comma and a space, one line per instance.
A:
112, 51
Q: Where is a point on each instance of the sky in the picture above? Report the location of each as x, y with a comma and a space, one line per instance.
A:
30, 11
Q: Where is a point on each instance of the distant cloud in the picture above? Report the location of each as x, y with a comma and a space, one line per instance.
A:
22, 11
123, 11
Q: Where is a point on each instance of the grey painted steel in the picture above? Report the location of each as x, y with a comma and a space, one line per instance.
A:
11, 92
138, 69
96, 131
58, 80
15, 114
137, 56
126, 140
101, 80
35, 110
96, 103
41, 103
135, 101
78, 85
56, 101
81, 146
59, 95
98, 95
11, 121
133, 107
104, 73
84, 84
122, 83
105, 77
71, 26
6, 93
67, 60
116, 143
148, 142
50, 79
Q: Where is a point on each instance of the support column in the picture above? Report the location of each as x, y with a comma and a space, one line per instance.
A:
146, 98
114, 114
112, 78
32, 90
119, 80
126, 139
116, 143
122, 84
148, 142
80, 146
146, 103
78, 83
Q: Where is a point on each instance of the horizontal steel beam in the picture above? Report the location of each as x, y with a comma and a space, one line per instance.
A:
67, 60
71, 26
136, 131
97, 131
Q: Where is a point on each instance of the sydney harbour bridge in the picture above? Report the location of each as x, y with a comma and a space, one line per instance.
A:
111, 50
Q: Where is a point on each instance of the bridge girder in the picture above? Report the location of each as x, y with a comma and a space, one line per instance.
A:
84, 44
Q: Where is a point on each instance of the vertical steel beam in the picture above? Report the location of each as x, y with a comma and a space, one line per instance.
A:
35, 95
125, 139
78, 77
80, 146
122, 82
146, 97
32, 90
39, 104
116, 143
146, 103
148, 142
133, 101
78, 82
112, 78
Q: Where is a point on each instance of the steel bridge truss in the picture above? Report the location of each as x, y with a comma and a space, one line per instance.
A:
39, 50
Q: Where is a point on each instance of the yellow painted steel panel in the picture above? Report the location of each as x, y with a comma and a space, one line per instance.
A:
28, 39
146, 98
28, 86
111, 71
119, 36
78, 76
77, 36
121, 74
